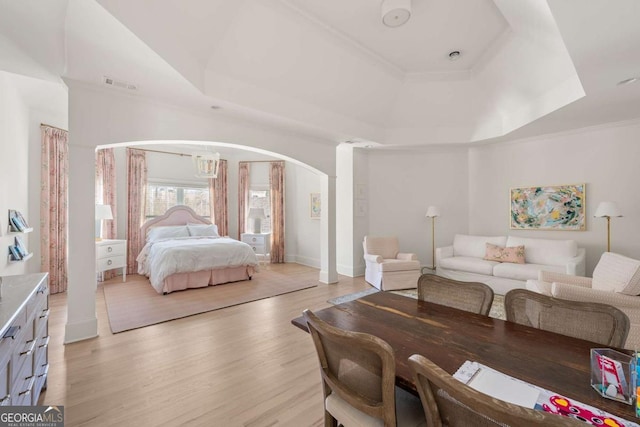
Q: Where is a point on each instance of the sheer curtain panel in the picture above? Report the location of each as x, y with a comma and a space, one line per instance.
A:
136, 198
53, 206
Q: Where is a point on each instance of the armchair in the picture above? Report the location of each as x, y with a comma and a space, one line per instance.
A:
386, 267
616, 281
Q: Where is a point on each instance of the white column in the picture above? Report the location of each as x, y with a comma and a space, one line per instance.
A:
328, 272
82, 322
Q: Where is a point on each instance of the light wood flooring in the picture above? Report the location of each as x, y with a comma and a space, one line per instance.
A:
239, 366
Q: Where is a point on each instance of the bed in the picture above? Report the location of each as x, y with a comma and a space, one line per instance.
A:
182, 250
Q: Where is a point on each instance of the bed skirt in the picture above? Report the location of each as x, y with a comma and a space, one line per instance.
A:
201, 279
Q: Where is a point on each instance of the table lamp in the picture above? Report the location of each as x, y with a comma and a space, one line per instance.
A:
102, 212
607, 210
433, 212
257, 215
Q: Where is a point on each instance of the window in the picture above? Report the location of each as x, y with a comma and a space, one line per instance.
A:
161, 197
261, 199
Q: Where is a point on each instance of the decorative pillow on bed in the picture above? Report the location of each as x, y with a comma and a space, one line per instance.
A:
514, 254
167, 232
206, 230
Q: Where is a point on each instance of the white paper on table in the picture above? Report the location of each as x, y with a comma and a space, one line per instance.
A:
503, 387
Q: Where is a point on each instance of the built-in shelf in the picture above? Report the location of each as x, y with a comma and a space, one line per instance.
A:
29, 255
26, 230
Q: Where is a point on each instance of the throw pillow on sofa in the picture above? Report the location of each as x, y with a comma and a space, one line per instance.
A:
513, 254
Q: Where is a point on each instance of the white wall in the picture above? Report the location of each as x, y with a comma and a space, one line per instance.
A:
14, 188
25, 103
604, 158
403, 184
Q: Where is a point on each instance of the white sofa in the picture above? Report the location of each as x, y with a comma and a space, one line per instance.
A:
464, 260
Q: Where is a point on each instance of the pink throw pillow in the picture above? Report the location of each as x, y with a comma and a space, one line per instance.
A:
514, 254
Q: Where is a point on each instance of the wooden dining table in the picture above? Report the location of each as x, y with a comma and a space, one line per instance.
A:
449, 337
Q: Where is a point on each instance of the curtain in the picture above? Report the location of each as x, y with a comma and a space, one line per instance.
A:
243, 196
276, 181
136, 199
54, 186
106, 195
218, 199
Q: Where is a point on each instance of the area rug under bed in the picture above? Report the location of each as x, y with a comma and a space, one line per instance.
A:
135, 304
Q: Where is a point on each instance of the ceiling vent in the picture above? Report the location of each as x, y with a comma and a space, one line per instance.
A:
118, 83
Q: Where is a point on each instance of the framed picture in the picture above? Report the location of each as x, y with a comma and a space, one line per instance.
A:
558, 207
314, 206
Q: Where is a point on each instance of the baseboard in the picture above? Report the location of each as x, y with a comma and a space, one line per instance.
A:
309, 262
350, 270
81, 331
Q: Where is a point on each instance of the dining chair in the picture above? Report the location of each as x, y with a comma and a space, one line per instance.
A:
475, 297
449, 402
591, 321
358, 379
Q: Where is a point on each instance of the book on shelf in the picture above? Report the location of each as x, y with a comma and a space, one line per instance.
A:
15, 255
22, 220
16, 224
19, 245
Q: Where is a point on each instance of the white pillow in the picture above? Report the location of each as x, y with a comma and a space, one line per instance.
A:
167, 232
207, 230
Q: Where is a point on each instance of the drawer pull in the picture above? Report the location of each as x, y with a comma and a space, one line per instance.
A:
30, 349
12, 332
109, 262
46, 342
41, 290
4, 399
32, 380
109, 249
46, 371
45, 313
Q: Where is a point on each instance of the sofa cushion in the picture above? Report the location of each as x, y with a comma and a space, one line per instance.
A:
545, 251
469, 264
513, 254
475, 246
399, 265
617, 273
523, 271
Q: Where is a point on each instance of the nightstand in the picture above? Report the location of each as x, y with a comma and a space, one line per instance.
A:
111, 254
260, 243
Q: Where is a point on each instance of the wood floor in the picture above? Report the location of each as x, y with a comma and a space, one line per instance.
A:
239, 366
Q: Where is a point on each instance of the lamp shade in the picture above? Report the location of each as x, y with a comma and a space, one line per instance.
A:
256, 213
609, 209
103, 212
432, 212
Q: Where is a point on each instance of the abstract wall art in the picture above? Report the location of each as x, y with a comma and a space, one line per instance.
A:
557, 207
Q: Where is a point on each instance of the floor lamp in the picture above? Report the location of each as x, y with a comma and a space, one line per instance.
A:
433, 212
607, 210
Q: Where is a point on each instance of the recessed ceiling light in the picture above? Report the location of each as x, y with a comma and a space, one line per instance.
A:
454, 55
215, 107
627, 81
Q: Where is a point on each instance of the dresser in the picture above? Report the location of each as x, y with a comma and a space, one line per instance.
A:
260, 243
24, 319
111, 253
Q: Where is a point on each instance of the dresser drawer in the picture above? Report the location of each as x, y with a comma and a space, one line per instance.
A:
253, 239
111, 249
13, 333
111, 262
